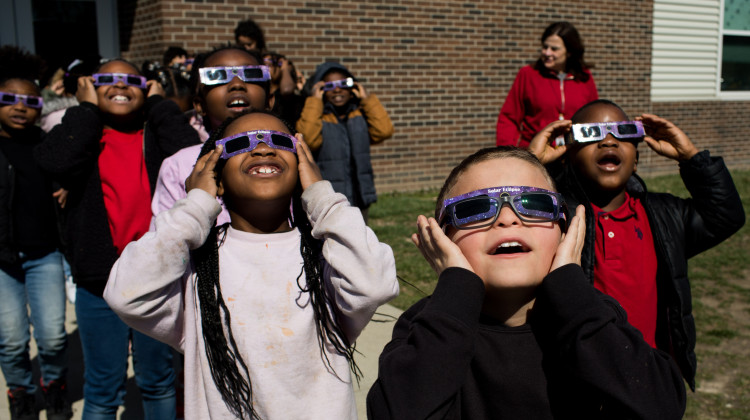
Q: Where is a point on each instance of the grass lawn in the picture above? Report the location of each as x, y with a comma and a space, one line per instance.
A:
720, 281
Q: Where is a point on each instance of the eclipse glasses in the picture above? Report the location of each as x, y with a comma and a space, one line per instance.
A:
590, 132
7, 98
222, 75
249, 140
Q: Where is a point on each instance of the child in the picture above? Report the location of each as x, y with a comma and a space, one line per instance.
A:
339, 121
627, 225
108, 159
512, 329
31, 273
265, 309
215, 101
287, 103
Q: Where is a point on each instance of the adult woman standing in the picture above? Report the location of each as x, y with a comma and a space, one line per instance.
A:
552, 88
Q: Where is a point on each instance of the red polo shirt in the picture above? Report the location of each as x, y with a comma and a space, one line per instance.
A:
626, 263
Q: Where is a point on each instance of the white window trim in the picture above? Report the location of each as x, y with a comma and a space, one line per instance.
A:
722, 95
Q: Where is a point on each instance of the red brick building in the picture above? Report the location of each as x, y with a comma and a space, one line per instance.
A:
443, 68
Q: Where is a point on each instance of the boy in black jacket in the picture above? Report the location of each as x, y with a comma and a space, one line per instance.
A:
638, 243
513, 330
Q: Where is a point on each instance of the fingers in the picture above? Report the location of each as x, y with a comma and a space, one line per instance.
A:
571, 244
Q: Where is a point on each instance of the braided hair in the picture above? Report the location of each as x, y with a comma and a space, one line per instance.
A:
228, 369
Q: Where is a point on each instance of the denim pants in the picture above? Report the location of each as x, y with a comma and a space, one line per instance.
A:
37, 285
105, 342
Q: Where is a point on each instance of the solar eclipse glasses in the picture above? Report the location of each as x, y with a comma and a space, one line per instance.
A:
347, 83
590, 132
7, 98
481, 208
222, 75
249, 140
105, 79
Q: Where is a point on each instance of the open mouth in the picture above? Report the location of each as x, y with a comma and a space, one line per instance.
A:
609, 162
238, 104
509, 248
19, 120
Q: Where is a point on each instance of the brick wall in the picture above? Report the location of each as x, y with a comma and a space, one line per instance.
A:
441, 68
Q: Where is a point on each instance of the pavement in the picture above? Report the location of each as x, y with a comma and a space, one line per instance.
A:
369, 345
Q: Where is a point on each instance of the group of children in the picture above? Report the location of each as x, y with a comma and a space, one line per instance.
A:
249, 252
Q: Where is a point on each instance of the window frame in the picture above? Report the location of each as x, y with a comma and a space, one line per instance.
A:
721, 94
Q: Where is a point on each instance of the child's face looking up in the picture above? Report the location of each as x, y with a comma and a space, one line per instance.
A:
338, 97
220, 102
606, 165
119, 99
18, 116
523, 265
263, 174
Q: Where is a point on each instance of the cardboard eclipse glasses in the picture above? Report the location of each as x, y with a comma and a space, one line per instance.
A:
7, 98
591, 132
347, 83
249, 140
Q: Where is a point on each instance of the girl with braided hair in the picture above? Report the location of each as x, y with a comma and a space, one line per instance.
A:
266, 308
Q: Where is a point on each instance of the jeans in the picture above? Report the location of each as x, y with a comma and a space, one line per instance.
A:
105, 341
38, 283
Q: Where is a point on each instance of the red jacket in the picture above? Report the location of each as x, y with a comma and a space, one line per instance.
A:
536, 100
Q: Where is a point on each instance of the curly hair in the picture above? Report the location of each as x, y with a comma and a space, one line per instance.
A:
17, 63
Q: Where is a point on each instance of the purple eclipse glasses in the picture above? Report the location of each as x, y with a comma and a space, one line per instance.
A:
480, 208
347, 83
7, 98
105, 79
249, 140
590, 132
222, 75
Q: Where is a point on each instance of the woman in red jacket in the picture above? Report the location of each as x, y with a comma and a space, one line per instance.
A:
552, 88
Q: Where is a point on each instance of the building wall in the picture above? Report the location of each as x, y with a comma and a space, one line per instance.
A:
441, 68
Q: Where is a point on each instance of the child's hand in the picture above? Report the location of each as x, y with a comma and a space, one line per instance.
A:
317, 90
62, 197
300, 80
439, 251
155, 88
667, 139
86, 90
540, 146
309, 173
359, 91
571, 243
204, 175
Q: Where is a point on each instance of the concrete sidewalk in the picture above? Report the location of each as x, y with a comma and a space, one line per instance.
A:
370, 344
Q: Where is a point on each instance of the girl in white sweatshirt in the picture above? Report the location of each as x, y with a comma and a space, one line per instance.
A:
266, 308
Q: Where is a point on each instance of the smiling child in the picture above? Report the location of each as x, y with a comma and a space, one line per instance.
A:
107, 152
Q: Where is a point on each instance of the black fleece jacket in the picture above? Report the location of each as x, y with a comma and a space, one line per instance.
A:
682, 228
576, 358
71, 154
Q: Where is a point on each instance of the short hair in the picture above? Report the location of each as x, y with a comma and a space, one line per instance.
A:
483, 155
574, 64
17, 63
576, 118
251, 30
171, 53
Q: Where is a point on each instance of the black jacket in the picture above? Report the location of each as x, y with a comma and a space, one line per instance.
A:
71, 153
576, 358
682, 228
44, 201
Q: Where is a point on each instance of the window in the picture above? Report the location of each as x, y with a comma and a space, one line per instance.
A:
735, 51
